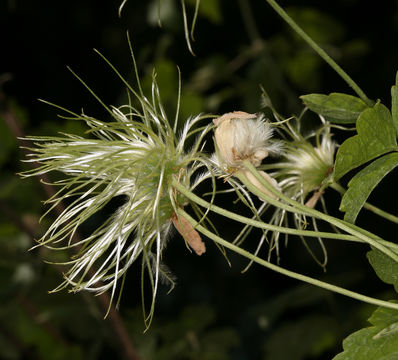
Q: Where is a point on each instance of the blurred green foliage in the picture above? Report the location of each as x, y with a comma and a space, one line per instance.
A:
215, 312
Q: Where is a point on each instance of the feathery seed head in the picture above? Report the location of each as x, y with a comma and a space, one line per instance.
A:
306, 167
135, 157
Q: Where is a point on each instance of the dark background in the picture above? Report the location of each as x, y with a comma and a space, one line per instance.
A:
215, 312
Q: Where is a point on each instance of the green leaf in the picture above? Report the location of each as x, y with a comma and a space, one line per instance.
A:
336, 107
376, 136
394, 104
384, 317
378, 342
385, 268
363, 183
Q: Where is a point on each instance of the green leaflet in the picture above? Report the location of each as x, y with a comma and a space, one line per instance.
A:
335, 107
363, 183
385, 268
376, 136
394, 104
378, 342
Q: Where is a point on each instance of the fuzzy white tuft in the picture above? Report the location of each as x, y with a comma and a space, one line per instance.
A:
240, 136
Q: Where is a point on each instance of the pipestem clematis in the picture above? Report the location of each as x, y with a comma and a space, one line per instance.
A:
133, 158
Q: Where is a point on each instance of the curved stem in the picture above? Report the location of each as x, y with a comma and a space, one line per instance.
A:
186, 31
320, 51
286, 272
367, 206
362, 234
258, 224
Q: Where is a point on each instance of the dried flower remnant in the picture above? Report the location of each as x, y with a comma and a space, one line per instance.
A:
241, 136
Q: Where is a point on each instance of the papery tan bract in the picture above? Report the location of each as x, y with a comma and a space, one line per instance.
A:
190, 235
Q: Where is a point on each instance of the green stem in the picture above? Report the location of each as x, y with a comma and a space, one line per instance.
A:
362, 234
258, 224
370, 207
320, 51
283, 271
